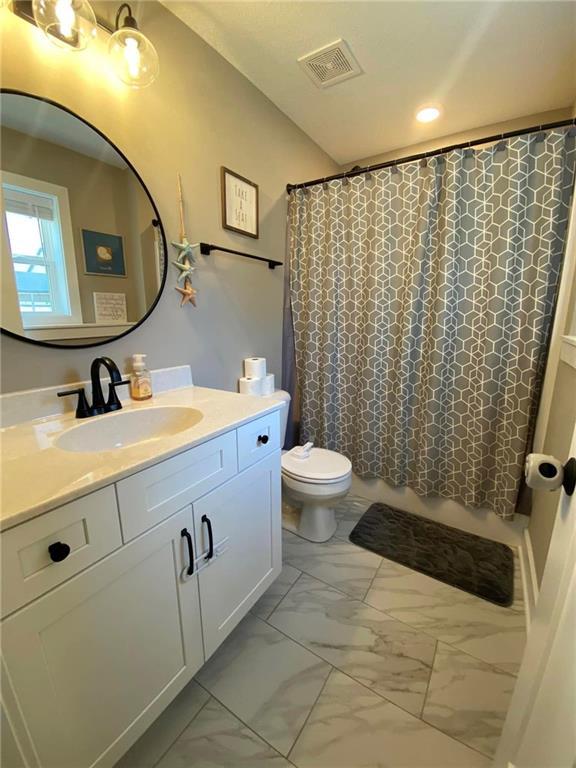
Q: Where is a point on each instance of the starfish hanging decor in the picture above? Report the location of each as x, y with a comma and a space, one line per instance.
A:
185, 250
185, 259
186, 270
188, 293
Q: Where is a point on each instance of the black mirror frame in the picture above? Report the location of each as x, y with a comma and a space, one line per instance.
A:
157, 222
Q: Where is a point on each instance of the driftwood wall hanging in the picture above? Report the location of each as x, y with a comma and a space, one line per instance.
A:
185, 259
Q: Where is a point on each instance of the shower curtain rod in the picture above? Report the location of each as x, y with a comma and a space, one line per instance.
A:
423, 155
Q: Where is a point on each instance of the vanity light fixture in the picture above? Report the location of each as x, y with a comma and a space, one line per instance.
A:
134, 58
66, 23
427, 114
72, 24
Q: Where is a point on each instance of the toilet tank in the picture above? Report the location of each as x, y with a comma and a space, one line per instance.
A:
280, 394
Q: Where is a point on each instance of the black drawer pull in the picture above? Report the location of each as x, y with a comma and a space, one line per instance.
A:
58, 551
210, 554
186, 534
263, 439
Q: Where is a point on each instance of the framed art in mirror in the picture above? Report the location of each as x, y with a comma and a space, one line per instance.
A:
103, 254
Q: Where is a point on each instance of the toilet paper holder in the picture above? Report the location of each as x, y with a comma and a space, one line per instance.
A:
548, 473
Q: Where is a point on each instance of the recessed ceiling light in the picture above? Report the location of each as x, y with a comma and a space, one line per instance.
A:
427, 114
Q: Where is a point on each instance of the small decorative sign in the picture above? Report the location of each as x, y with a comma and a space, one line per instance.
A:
110, 307
239, 204
103, 254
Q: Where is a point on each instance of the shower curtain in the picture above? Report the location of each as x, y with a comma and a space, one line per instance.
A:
421, 302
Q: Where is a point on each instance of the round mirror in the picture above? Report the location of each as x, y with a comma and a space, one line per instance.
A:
83, 248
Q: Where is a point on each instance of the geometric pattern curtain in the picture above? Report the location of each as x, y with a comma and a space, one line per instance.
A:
422, 298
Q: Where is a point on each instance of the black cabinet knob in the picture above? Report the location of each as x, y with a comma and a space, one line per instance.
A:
263, 439
58, 551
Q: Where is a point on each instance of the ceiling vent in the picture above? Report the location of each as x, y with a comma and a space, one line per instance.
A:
330, 65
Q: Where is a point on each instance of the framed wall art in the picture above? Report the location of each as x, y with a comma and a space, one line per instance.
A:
103, 254
239, 204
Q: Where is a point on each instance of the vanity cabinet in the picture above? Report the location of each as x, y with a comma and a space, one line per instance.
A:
162, 566
111, 646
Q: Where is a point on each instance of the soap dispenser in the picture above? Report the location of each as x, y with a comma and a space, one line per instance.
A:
141, 379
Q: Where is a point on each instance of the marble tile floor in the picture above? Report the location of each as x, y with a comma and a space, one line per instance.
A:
348, 661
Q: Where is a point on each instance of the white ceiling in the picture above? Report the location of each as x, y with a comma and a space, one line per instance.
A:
483, 62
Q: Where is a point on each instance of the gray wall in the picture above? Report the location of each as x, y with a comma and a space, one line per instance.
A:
200, 114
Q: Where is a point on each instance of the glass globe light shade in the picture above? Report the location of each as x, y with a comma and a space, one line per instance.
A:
66, 23
134, 58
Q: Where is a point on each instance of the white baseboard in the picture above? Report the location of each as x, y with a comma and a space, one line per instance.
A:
529, 577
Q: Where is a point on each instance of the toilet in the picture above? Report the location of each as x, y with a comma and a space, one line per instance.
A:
314, 477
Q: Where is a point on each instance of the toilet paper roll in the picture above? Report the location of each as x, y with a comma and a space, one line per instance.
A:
255, 367
250, 385
268, 384
543, 472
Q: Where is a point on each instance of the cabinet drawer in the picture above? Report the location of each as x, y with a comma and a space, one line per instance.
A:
150, 496
257, 439
89, 526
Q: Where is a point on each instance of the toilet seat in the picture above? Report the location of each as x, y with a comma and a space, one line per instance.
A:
311, 481
316, 466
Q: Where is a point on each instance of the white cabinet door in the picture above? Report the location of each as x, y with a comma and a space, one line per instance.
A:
96, 660
245, 518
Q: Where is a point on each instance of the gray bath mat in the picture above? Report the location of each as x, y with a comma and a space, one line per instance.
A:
482, 567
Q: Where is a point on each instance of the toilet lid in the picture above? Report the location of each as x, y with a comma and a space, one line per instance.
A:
320, 464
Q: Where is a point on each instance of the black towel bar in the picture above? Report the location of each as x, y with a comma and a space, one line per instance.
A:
207, 248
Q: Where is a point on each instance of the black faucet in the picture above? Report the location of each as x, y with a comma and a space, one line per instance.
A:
83, 410
113, 403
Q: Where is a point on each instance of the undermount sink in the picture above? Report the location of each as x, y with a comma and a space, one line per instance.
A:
124, 428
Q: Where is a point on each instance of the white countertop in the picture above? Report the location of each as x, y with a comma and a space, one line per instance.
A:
38, 476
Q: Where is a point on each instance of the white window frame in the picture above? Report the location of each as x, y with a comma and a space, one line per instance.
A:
32, 319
